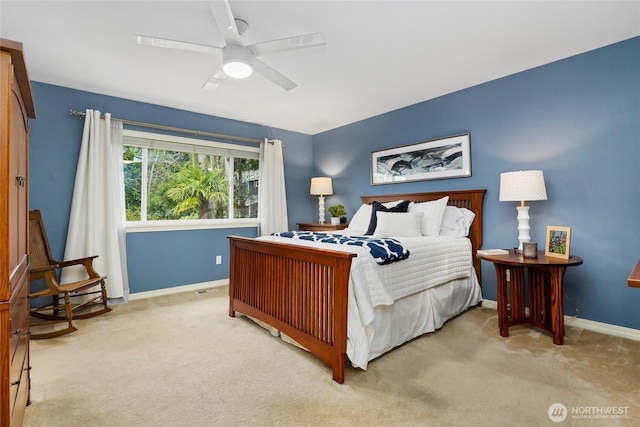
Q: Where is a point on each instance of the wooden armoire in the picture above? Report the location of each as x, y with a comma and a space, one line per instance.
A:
16, 108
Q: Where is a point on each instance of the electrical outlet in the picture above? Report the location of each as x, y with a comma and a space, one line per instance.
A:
219, 259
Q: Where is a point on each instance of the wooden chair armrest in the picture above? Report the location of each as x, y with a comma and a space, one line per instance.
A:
77, 261
87, 262
43, 269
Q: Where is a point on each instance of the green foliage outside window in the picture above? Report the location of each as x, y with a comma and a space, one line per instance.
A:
194, 189
245, 188
181, 185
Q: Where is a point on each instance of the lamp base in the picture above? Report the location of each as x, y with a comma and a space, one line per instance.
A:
523, 226
321, 219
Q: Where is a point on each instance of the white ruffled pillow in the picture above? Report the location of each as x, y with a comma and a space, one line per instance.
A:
397, 224
432, 213
456, 222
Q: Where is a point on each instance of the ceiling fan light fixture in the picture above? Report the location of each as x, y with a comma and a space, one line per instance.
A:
236, 61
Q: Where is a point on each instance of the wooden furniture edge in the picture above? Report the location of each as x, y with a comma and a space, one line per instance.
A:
16, 109
313, 226
634, 277
20, 67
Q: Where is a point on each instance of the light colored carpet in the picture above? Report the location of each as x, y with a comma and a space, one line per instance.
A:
180, 360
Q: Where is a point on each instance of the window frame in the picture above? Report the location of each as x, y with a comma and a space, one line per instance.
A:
180, 143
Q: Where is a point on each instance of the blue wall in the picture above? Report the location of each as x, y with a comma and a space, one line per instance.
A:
577, 119
156, 260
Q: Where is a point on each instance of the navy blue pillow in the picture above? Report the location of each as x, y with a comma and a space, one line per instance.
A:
376, 206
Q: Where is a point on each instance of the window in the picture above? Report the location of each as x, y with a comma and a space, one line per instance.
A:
178, 182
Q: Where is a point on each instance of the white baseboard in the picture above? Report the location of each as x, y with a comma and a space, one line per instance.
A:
604, 328
177, 289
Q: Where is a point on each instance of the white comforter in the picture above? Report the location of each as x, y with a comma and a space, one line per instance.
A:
433, 261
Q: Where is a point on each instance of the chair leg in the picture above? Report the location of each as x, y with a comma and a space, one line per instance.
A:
67, 308
104, 296
70, 328
105, 303
56, 304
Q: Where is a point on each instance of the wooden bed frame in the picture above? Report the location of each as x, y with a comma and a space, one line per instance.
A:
303, 291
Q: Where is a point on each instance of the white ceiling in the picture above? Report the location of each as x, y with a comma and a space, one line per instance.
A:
379, 56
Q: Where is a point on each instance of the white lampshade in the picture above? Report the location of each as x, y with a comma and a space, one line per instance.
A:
236, 61
321, 186
522, 186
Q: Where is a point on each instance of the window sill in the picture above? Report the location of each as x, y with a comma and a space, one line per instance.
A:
140, 227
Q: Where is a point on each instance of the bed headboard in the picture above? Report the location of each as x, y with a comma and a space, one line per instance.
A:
470, 199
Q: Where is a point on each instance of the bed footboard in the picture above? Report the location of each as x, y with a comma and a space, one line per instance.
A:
302, 292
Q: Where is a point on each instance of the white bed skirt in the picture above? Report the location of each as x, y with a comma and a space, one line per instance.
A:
420, 313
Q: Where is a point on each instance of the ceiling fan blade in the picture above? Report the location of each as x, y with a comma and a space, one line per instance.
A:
273, 75
221, 11
175, 44
289, 43
214, 81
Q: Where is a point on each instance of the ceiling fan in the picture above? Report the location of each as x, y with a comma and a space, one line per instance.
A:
238, 60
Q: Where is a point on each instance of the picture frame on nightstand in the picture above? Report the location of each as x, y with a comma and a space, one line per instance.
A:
558, 242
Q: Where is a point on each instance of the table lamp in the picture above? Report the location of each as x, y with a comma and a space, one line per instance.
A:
321, 186
522, 186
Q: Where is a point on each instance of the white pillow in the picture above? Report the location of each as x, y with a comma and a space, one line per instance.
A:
398, 224
451, 221
360, 221
432, 213
469, 216
456, 222
359, 224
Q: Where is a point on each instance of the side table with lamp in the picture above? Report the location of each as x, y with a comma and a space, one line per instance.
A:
525, 273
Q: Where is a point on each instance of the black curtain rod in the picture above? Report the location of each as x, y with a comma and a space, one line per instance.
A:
82, 115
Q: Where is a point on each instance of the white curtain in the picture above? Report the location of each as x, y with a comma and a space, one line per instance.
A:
96, 223
272, 198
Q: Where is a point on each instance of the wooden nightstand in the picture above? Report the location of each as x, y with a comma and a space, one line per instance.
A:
545, 282
314, 226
